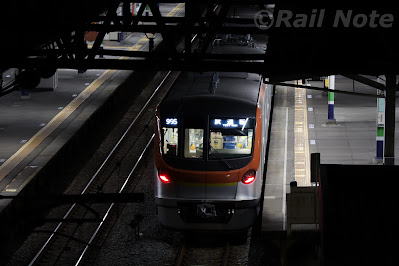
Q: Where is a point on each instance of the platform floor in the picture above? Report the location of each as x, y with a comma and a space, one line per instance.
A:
299, 128
34, 127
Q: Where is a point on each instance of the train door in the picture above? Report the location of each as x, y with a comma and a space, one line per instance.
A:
192, 186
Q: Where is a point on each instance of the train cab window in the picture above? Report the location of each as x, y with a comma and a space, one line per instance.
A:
193, 143
230, 138
170, 141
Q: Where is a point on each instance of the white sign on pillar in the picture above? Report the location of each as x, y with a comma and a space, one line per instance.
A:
381, 119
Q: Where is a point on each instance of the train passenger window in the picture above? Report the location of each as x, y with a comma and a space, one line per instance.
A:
193, 143
230, 138
170, 141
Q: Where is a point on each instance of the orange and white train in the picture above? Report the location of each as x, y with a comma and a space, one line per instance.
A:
211, 133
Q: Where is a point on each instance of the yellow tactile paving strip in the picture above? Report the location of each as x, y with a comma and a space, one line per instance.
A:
35, 141
29, 146
301, 141
175, 10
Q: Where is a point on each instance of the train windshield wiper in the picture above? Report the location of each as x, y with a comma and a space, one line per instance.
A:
220, 157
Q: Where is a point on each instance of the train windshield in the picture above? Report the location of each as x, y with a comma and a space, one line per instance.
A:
193, 137
230, 138
170, 141
194, 142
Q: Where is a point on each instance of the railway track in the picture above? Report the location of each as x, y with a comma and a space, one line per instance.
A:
75, 243
211, 255
70, 242
215, 252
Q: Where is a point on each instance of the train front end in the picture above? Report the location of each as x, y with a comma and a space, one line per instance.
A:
209, 162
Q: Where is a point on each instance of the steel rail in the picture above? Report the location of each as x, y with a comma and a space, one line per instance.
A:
98, 172
39, 254
113, 204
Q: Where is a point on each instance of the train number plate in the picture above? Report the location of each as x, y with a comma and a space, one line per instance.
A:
206, 210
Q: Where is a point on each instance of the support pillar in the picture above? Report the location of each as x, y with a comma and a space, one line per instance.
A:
379, 157
331, 85
25, 94
81, 73
389, 151
187, 37
101, 55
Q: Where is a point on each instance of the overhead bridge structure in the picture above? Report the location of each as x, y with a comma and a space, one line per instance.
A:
307, 38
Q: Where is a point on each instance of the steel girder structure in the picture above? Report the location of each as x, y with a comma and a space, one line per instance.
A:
203, 19
292, 52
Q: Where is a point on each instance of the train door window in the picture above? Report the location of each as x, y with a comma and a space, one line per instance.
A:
230, 138
170, 141
193, 143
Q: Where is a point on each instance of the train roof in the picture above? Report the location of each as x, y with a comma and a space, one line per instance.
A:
217, 91
193, 93
243, 86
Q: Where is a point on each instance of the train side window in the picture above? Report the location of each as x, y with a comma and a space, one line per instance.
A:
193, 143
170, 141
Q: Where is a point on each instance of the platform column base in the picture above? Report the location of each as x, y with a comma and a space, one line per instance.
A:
81, 74
331, 122
25, 94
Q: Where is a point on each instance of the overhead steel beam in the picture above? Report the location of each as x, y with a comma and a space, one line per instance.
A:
101, 33
175, 20
195, 29
160, 55
323, 89
366, 81
216, 19
154, 64
167, 35
267, 68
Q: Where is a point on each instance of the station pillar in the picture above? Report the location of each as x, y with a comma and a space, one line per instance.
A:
81, 73
25, 94
330, 84
379, 157
101, 55
389, 149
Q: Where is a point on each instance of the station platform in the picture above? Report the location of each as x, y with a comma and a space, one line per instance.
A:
34, 130
299, 128
35, 127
